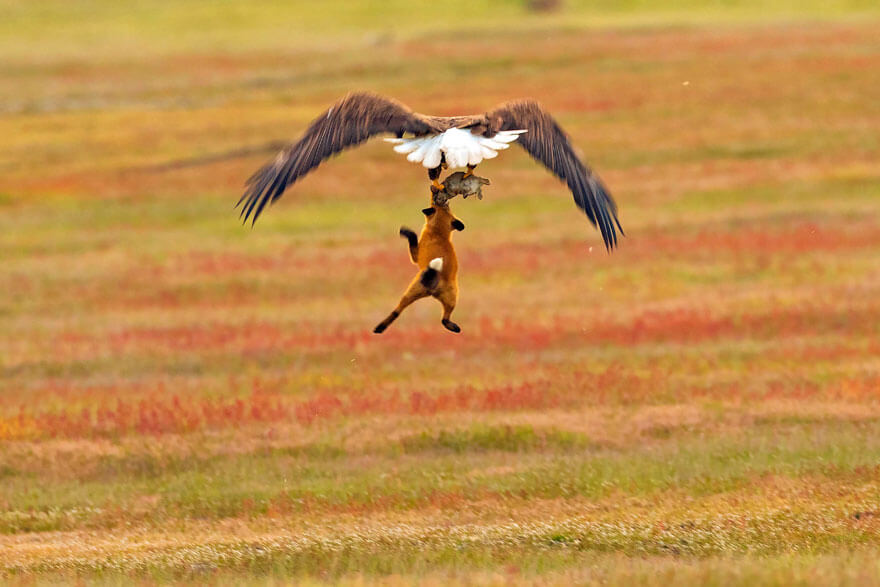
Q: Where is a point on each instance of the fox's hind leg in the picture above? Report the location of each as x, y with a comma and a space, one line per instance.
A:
448, 296
415, 292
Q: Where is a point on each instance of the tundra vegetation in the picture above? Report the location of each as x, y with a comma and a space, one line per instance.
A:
183, 398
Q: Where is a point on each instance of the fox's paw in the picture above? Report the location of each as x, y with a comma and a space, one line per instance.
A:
450, 325
380, 328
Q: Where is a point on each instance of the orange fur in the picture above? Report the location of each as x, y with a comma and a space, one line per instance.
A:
434, 242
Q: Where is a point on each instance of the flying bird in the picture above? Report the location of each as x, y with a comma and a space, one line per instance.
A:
437, 142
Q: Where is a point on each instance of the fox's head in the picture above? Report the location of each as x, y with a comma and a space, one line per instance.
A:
440, 218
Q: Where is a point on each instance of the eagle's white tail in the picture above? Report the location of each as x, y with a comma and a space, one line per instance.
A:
460, 146
436, 264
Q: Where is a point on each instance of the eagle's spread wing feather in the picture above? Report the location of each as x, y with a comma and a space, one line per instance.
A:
349, 122
548, 143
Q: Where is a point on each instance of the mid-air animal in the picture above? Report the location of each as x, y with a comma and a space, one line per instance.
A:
437, 142
432, 251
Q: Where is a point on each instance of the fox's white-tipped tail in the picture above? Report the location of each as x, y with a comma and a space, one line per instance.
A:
436, 264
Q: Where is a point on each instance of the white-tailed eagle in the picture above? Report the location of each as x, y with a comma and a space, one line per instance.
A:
437, 142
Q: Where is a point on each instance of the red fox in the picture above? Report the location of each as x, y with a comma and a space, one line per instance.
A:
438, 266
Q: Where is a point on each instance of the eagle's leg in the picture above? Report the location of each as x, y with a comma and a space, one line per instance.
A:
469, 172
434, 176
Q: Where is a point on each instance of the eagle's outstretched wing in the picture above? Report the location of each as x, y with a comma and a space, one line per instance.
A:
349, 122
547, 142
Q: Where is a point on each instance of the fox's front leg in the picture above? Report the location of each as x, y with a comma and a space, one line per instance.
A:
413, 241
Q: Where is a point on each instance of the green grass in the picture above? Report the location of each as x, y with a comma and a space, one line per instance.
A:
480, 461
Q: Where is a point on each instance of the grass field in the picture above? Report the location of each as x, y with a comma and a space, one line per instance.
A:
183, 398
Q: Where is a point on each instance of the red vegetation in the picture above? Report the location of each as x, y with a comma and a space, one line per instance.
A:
162, 415
697, 324
686, 324
159, 414
859, 390
798, 238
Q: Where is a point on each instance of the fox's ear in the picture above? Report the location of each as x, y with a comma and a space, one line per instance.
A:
428, 211
457, 224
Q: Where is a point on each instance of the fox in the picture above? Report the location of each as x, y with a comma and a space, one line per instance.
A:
435, 256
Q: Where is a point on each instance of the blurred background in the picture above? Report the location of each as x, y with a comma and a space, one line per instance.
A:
159, 361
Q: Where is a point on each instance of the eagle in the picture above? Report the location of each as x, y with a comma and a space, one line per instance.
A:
437, 142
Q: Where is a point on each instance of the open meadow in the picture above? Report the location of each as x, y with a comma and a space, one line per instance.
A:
186, 399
